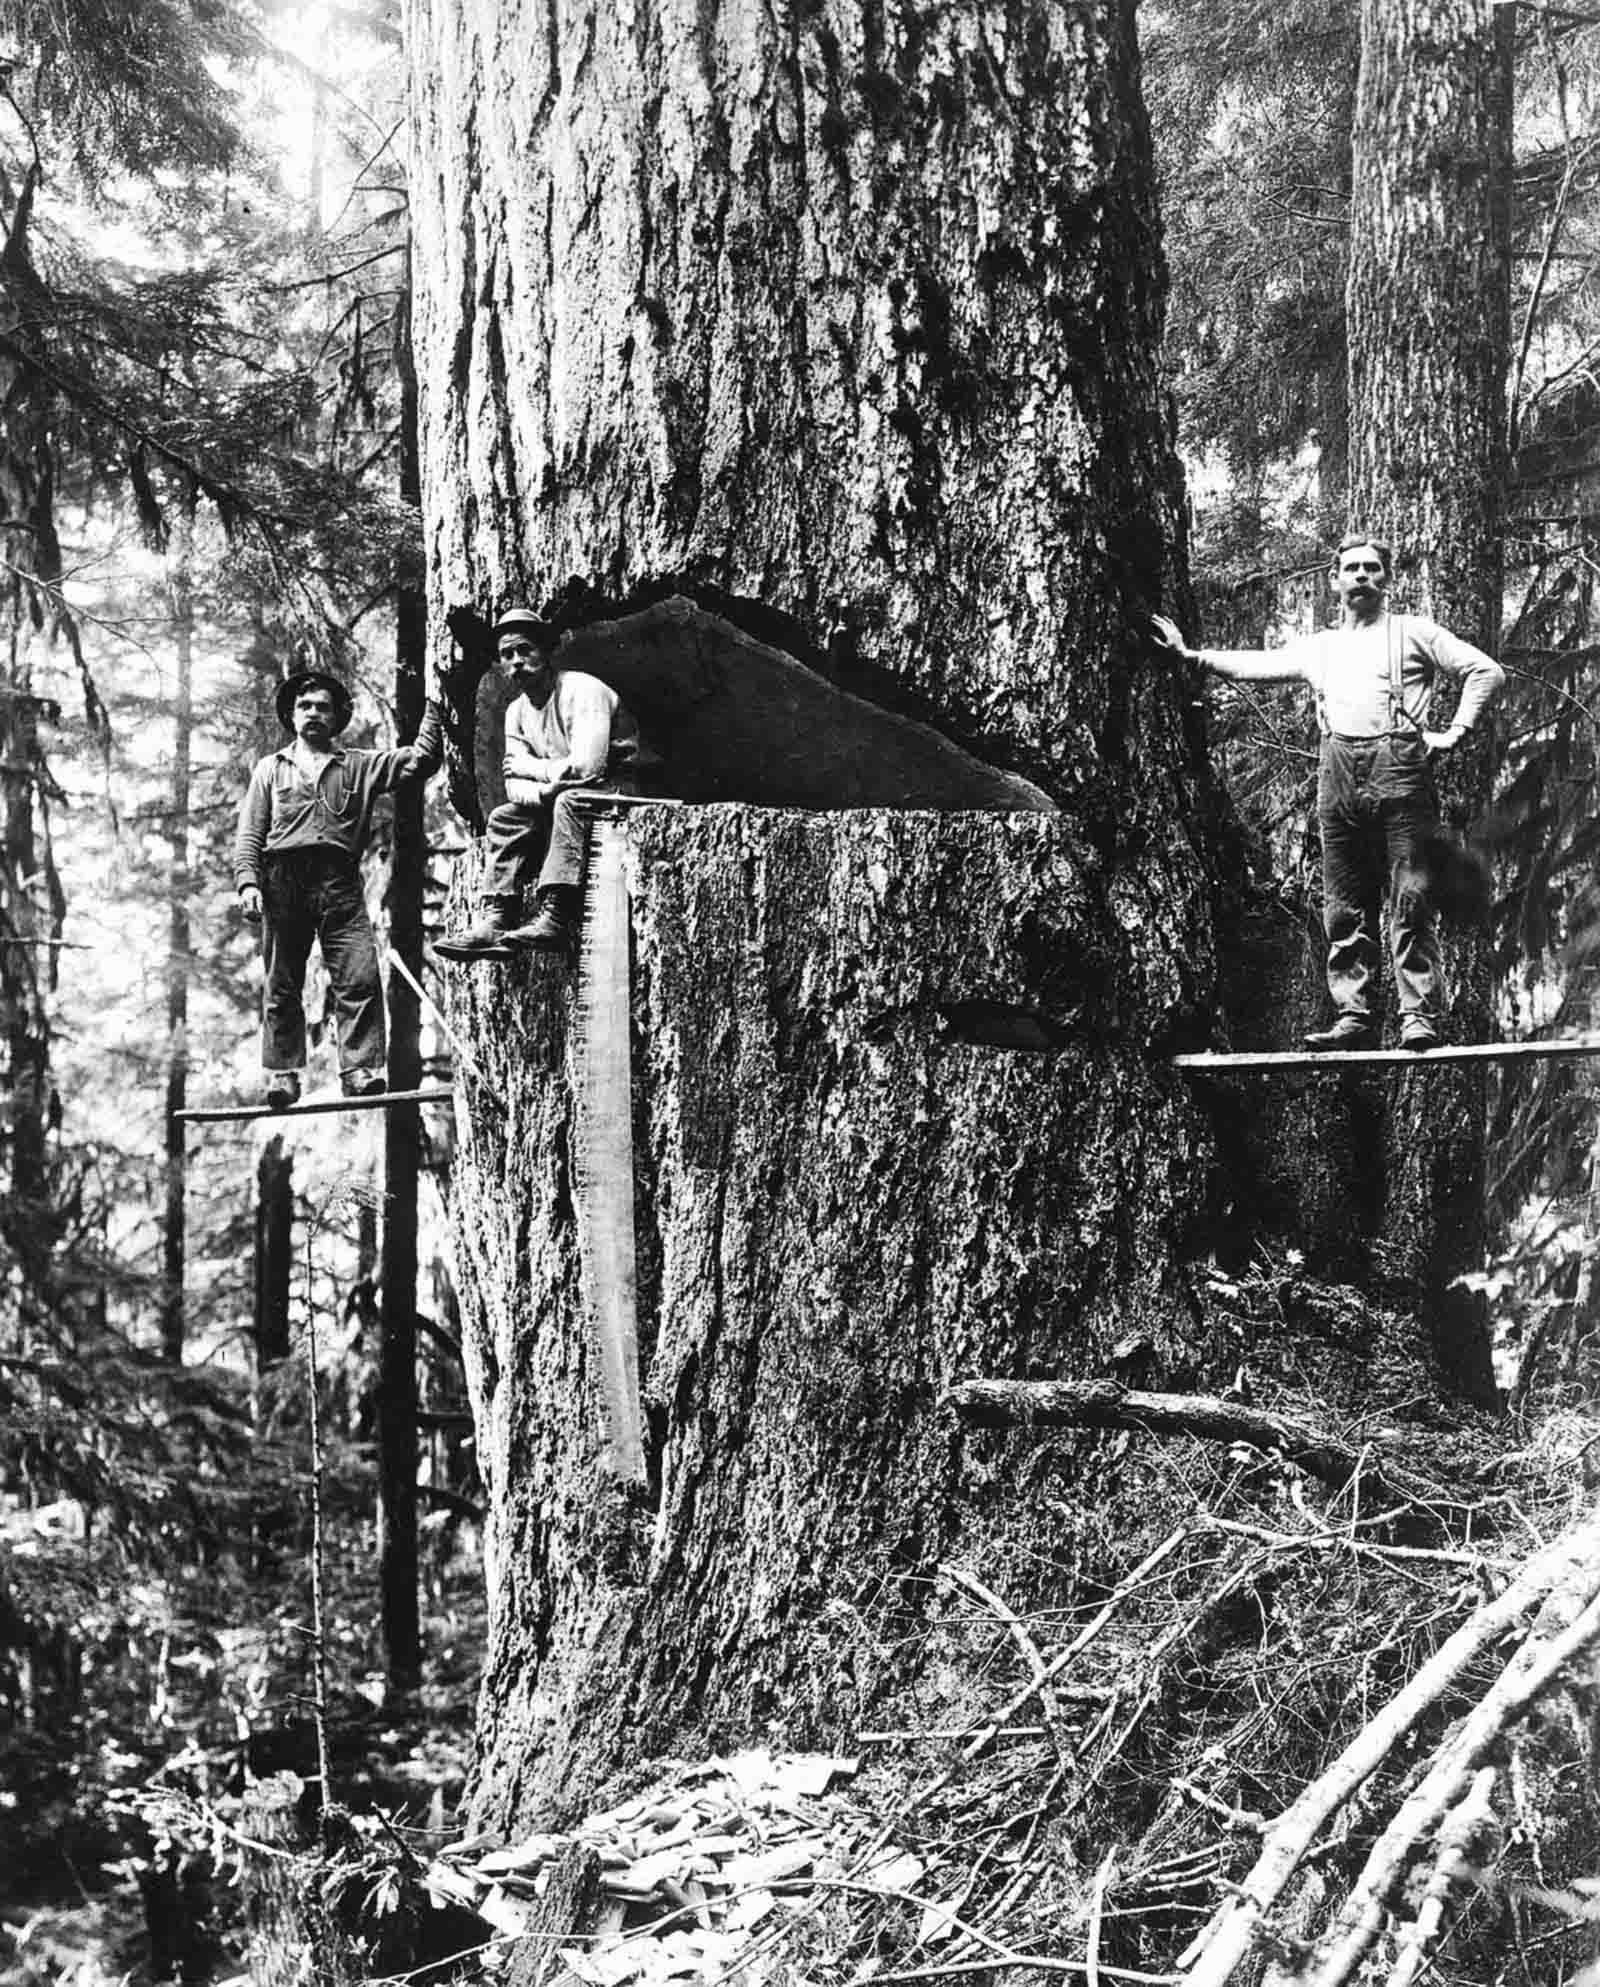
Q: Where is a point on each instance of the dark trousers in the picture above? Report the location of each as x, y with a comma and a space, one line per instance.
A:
1376, 805
313, 894
547, 840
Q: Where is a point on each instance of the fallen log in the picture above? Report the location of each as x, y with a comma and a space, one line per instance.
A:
1106, 1404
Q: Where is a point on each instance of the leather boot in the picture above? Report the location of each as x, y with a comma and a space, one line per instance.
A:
554, 927
484, 938
1350, 1031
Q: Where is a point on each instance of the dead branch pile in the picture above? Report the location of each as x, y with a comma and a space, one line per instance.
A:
1312, 1734
1335, 1724
1345, 1727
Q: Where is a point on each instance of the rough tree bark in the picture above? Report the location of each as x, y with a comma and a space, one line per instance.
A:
1381, 1178
838, 311
838, 322
1428, 318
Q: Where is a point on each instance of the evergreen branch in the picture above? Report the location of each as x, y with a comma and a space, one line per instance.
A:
333, 276
358, 185
1532, 676
27, 125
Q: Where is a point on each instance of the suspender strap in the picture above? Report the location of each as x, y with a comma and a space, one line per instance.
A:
1396, 631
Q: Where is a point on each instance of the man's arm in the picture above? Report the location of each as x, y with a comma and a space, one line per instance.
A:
1479, 675
1238, 665
423, 757
255, 817
586, 710
522, 764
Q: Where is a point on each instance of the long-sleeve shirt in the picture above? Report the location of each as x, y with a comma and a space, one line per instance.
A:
1374, 677
282, 810
580, 732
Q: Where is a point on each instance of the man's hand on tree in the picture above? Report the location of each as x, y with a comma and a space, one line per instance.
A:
250, 903
1442, 741
1169, 636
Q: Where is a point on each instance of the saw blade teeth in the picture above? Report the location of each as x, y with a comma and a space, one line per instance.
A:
603, 1141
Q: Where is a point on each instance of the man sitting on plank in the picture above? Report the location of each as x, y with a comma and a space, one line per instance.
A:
567, 733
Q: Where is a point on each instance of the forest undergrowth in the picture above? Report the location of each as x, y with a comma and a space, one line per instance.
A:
1335, 1723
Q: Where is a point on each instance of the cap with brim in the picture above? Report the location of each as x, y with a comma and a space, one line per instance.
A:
523, 621
309, 679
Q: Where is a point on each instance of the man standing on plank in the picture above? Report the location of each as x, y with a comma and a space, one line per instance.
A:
304, 821
1372, 676
567, 733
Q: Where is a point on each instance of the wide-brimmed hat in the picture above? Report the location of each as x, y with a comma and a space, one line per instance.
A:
306, 679
524, 621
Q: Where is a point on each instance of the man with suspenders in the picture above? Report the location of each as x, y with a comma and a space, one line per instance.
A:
1372, 676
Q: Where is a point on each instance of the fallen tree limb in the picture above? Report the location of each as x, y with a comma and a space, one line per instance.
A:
1106, 1404
1233, 1928
1569, 1623
1459, 1847
1345, 1541
958, 1576
1153, 1661
985, 1735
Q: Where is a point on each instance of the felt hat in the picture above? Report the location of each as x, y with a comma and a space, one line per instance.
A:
523, 621
305, 679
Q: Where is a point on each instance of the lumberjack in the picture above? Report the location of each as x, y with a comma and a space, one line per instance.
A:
566, 733
1372, 676
303, 824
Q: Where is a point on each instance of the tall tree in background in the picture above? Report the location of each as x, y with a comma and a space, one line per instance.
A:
397, 1308
90, 370
1428, 317
1252, 106
180, 602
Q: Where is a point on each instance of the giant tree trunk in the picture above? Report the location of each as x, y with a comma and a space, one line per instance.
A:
1428, 315
838, 322
841, 311
848, 1198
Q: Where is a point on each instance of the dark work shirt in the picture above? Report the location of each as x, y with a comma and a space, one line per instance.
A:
282, 811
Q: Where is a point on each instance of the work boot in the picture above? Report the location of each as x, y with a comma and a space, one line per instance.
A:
362, 1082
485, 938
555, 923
1350, 1031
1418, 1032
283, 1089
